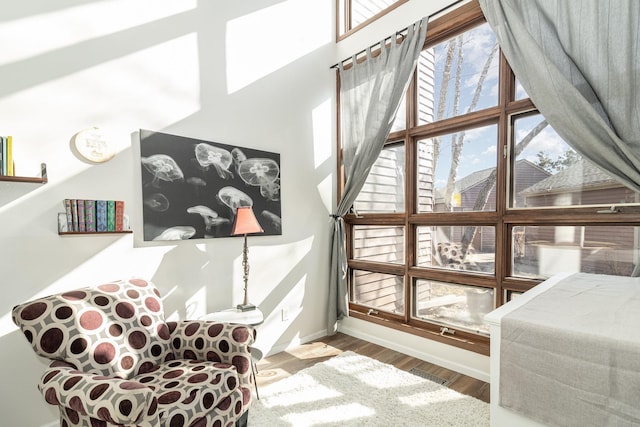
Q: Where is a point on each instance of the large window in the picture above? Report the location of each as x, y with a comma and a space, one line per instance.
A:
476, 199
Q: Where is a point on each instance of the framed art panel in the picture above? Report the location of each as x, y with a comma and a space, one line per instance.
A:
191, 188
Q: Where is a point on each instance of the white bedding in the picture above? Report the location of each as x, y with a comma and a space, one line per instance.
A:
571, 355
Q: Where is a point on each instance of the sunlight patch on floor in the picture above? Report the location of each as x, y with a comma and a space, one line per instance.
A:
280, 393
333, 414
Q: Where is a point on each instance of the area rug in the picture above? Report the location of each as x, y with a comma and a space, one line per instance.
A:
354, 390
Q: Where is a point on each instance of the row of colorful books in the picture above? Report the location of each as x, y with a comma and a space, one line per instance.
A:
6, 156
95, 215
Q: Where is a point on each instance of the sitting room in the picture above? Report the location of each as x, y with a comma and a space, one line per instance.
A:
318, 213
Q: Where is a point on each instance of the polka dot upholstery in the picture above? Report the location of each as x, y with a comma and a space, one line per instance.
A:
115, 361
451, 256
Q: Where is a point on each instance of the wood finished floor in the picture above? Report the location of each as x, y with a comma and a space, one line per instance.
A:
286, 363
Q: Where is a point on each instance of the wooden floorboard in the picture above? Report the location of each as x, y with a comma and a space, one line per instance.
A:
286, 363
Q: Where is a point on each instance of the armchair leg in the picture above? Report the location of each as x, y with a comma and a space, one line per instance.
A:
242, 421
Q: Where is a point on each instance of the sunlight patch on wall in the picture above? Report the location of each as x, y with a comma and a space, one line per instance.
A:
196, 306
321, 116
153, 87
325, 190
50, 31
275, 324
271, 264
262, 42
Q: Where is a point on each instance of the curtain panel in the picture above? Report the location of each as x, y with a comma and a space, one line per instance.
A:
370, 95
579, 61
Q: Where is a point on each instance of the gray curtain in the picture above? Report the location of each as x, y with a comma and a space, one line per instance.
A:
579, 61
370, 94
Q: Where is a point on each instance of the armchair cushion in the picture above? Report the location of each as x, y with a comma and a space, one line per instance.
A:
216, 342
189, 389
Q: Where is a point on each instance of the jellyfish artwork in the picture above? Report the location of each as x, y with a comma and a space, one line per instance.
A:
157, 202
232, 197
162, 167
196, 182
271, 190
208, 155
179, 232
273, 219
258, 172
238, 157
209, 216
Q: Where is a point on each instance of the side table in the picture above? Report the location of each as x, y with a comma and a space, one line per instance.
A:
253, 317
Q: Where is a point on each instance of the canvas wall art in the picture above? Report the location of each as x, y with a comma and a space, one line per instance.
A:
191, 188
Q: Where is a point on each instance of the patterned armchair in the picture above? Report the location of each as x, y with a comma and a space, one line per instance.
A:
115, 361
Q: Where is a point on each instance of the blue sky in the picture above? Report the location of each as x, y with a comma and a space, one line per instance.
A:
480, 151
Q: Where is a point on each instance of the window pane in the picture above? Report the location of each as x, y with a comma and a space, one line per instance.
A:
444, 247
542, 251
361, 10
458, 76
453, 305
520, 92
378, 243
383, 192
549, 173
378, 290
400, 122
464, 177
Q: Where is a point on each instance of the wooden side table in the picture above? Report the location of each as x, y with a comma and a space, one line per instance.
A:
250, 317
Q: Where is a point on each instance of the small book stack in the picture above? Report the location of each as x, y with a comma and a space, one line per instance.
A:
82, 215
7, 166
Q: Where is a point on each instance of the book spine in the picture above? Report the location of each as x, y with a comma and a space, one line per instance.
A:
10, 171
81, 215
90, 215
3, 155
74, 214
67, 210
119, 215
101, 215
111, 215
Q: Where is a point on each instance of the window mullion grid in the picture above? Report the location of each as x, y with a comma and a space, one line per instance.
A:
503, 242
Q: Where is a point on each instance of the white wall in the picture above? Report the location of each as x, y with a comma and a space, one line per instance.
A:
229, 72
251, 73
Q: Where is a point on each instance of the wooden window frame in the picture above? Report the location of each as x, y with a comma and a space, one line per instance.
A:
343, 12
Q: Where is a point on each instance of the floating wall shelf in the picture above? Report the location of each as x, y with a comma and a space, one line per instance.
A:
34, 180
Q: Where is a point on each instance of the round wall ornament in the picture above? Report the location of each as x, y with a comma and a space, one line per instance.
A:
93, 145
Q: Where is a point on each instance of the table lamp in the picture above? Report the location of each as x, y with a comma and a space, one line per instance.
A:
245, 223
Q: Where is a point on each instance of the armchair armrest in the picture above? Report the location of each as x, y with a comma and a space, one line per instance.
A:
216, 342
114, 400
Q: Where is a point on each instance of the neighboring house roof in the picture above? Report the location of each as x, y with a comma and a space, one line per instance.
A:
579, 176
480, 176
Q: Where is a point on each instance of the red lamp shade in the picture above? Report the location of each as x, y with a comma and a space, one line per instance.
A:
246, 222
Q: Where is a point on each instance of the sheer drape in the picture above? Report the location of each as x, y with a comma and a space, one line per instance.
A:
579, 61
370, 94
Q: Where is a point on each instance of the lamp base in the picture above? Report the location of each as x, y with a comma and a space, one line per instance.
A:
246, 307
